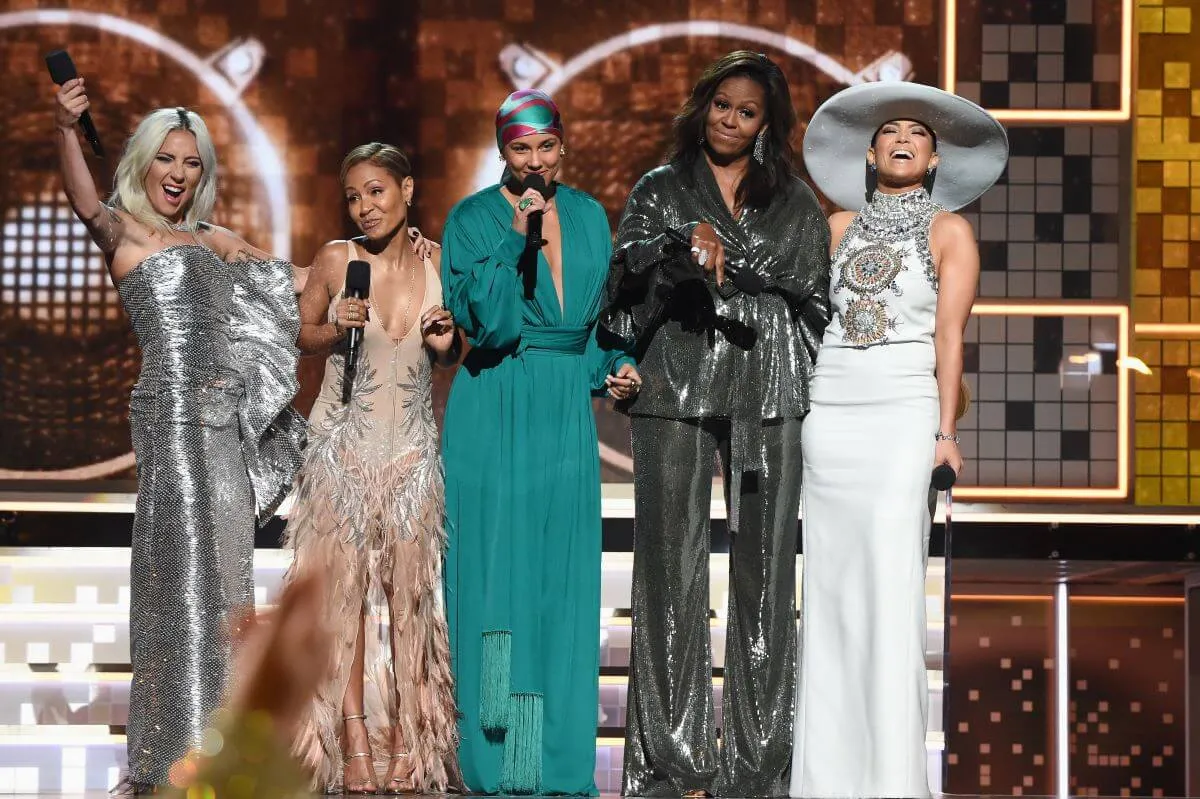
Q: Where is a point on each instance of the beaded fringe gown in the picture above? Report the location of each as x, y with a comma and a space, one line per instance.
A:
368, 513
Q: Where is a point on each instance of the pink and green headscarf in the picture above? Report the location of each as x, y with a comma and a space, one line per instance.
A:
524, 113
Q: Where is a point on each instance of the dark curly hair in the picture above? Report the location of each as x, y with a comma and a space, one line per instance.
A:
762, 181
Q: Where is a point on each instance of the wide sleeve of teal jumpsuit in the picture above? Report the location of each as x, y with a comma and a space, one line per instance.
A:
523, 498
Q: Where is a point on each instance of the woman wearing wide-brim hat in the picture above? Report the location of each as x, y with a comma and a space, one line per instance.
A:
885, 396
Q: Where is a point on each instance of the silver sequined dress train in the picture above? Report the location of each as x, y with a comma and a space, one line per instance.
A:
217, 445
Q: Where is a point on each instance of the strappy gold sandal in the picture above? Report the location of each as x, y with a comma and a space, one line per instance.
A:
367, 786
398, 786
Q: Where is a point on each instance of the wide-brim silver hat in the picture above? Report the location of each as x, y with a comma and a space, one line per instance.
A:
971, 144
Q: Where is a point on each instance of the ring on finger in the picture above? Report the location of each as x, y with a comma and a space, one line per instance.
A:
703, 259
525, 203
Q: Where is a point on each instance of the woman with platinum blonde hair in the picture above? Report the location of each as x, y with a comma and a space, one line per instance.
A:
216, 439
129, 190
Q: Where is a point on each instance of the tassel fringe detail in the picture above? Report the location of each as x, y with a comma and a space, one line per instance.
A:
495, 673
521, 773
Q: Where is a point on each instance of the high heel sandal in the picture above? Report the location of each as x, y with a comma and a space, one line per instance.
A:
399, 786
366, 787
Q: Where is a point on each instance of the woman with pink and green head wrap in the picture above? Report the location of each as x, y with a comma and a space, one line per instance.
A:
522, 464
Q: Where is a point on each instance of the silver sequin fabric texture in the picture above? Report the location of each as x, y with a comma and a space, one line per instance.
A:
704, 394
688, 375
217, 446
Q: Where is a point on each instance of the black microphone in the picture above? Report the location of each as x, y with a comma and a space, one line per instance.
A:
533, 236
358, 286
943, 477
746, 278
62, 69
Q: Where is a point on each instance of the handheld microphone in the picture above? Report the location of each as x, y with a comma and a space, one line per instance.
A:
745, 278
62, 69
943, 477
533, 239
533, 236
358, 286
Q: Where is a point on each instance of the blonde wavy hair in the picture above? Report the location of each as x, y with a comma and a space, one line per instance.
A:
129, 190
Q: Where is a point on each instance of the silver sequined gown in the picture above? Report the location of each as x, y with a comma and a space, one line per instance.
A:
217, 445
862, 692
706, 392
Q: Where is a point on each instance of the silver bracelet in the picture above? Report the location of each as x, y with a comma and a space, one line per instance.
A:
940, 436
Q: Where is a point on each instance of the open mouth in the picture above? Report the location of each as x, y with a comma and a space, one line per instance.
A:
902, 155
174, 193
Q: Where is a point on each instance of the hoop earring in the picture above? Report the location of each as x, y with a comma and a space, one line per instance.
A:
562, 152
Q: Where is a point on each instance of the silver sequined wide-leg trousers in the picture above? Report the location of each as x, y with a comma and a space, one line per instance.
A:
670, 733
191, 565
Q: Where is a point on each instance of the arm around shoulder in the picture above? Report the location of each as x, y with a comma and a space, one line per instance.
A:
230, 246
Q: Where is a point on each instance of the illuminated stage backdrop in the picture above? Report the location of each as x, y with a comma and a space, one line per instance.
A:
289, 89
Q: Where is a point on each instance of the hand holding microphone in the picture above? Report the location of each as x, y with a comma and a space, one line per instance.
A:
358, 289
351, 312
744, 277
708, 251
531, 207
944, 477
73, 103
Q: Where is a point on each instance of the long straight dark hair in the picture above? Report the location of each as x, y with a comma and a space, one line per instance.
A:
762, 181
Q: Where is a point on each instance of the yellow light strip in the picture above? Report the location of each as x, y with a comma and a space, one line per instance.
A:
949, 44
1176, 330
1045, 115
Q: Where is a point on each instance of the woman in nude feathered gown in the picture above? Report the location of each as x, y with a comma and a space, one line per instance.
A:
369, 503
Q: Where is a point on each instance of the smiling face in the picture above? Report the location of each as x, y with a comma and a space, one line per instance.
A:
171, 180
735, 115
376, 202
535, 154
903, 151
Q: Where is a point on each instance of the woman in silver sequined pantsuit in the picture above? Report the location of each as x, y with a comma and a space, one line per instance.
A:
726, 344
216, 439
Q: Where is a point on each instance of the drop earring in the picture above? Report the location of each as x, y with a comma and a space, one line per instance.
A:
760, 146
